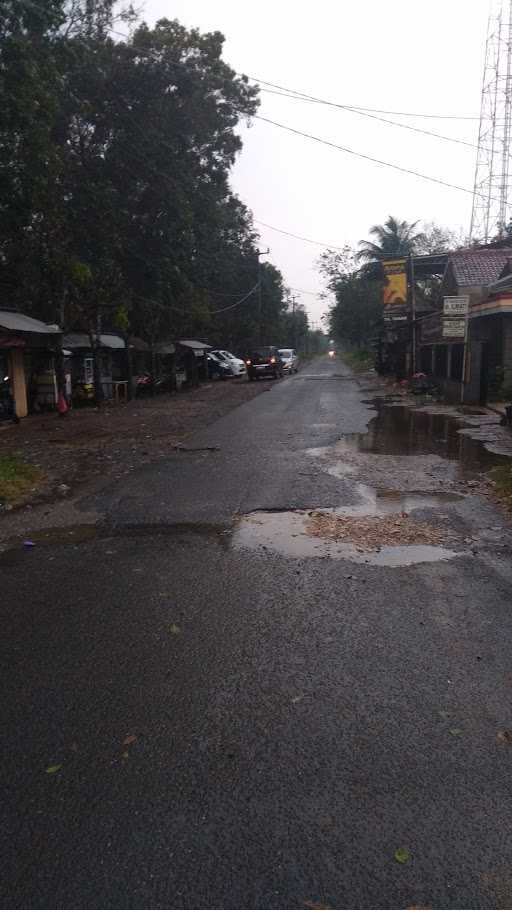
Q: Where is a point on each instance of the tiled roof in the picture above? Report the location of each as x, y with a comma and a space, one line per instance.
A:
479, 267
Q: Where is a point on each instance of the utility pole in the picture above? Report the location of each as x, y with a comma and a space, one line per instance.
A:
260, 253
294, 324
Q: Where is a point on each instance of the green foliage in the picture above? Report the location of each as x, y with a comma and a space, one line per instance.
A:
393, 239
360, 360
16, 478
115, 158
357, 312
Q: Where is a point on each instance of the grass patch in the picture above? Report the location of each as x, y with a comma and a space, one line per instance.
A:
501, 477
16, 477
360, 361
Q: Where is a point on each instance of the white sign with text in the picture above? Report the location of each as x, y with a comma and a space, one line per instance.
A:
455, 306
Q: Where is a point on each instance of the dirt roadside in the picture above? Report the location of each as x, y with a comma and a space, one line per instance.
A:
91, 446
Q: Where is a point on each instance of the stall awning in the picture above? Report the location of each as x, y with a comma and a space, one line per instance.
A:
77, 340
195, 345
18, 322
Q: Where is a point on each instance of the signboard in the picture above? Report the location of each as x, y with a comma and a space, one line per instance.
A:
395, 282
454, 328
455, 306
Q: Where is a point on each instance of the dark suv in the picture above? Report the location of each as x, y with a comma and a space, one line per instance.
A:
264, 361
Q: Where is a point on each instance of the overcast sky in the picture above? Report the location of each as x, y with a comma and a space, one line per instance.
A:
403, 55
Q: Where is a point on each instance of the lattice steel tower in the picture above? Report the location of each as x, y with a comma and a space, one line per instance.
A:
492, 199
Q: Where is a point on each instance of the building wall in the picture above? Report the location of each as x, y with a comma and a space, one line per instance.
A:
483, 330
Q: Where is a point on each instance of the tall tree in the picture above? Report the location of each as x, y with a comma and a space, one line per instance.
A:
393, 239
356, 314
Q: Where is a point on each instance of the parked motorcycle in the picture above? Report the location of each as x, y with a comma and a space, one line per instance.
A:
147, 384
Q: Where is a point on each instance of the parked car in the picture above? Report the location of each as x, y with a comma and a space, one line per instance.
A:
217, 368
236, 365
290, 360
264, 361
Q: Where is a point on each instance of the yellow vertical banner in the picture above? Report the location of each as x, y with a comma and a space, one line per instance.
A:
395, 282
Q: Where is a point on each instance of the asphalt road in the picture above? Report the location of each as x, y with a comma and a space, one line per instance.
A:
231, 728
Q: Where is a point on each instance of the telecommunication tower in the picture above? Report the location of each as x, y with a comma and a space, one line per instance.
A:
492, 194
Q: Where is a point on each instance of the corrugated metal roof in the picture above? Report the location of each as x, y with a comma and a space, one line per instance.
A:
478, 267
81, 340
18, 322
195, 345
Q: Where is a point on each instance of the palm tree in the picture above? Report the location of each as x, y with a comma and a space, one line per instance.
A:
394, 240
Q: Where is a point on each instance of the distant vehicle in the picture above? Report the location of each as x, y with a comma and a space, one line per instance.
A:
236, 365
264, 361
217, 368
332, 354
290, 360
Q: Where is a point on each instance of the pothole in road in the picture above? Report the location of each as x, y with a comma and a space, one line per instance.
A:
395, 540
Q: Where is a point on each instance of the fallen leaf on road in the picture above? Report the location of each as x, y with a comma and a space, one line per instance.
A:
128, 740
174, 629
125, 754
315, 905
444, 714
402, 855
53, 769
504, 736
456, 731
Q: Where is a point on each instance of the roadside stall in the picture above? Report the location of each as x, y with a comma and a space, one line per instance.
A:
29, 350
80, 363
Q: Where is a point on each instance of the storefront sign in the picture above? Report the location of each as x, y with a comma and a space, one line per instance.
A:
395, 282
454, 328
455, 306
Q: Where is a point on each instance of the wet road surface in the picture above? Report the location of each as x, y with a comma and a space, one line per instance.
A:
200, 715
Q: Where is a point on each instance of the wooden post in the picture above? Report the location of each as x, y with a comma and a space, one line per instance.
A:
18, 382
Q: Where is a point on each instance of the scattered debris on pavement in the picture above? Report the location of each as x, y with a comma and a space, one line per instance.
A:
373, 532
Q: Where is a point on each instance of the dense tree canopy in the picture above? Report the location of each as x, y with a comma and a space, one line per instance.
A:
115, 154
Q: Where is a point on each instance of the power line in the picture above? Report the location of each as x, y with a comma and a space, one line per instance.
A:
297, 236
341, 148
357, 107
311, 293
233, 305
362, 113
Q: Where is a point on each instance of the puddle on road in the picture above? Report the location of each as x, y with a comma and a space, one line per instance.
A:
394, 432
285, 533
399, 430
387, 502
